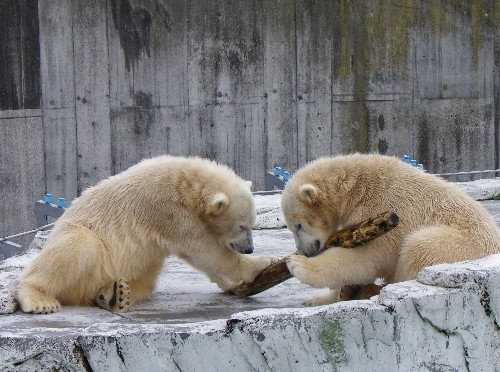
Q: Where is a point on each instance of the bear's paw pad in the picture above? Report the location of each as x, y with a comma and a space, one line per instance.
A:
114, 297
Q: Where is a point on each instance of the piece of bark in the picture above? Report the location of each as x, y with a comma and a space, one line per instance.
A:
349, 237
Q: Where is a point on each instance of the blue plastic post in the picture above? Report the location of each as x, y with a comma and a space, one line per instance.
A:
413, 162
406, 159
60, 203
420, 166
277, 171
47, 199
286, 176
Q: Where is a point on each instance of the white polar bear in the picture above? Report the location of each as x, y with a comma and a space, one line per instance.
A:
109, 246
438, 222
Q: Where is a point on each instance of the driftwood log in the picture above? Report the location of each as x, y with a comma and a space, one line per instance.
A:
349, 237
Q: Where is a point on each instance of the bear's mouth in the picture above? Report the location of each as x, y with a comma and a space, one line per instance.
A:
241, 249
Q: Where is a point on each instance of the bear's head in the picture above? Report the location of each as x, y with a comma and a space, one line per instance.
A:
308, 217
230, 214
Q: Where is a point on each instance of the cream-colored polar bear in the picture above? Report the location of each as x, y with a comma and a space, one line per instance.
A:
438, 222
109, 246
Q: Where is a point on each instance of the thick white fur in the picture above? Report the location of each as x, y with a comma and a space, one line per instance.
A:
438, 222
113, 240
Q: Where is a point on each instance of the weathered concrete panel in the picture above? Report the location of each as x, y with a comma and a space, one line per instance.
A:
59, 135
57, 70
227, 116
280, 84
147, 53
453, 44
21, 170
140, 133
57, 76
314, 79
19, 55
388, 130
448, 131
372, 48
233, 135
225, 52
92, 92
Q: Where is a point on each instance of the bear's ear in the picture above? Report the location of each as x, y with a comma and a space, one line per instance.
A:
308, 193
217, 203
249, 184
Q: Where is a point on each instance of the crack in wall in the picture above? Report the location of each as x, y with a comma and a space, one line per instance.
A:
445, 332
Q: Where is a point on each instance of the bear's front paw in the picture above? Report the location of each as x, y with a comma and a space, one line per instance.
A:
265, 261
114, 296
307, 271
255, 265
227, 285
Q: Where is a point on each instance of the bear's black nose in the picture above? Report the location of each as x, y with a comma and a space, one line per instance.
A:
249, 250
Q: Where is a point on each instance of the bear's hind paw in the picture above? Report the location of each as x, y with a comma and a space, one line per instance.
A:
41, 307
114, 297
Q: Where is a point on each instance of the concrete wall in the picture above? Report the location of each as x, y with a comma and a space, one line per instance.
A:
91, 87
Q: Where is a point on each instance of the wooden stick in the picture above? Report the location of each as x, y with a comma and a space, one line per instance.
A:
349, 237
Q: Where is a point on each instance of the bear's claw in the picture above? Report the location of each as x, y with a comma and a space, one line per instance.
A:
40, 307
115, 296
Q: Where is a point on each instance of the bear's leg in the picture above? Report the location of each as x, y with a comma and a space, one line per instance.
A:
431, 246
67, 271
119, 296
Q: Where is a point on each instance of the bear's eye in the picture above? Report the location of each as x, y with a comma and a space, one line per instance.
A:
298, 226
242, 227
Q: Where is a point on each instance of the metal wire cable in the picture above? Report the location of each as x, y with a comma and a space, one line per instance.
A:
27, 232
471, 172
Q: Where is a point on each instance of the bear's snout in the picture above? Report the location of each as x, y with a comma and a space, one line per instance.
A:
311, 249
245, 249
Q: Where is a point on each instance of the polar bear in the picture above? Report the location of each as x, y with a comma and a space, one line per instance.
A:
109, 246
438, 222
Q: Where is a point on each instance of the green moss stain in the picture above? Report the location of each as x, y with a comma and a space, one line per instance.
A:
343, 55
331, 339
437, 17
476, 26
443, 17
372, 45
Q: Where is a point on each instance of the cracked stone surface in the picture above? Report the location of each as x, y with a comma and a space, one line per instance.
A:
446, 320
